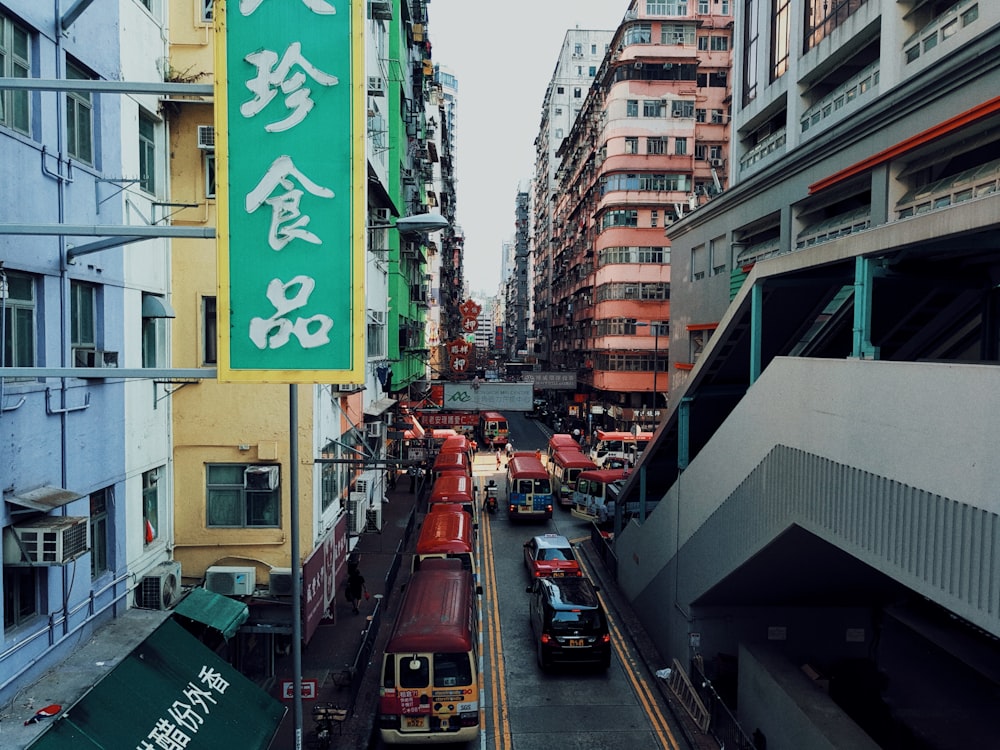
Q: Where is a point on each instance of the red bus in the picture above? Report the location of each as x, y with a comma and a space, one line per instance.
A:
429, 683
613, 444
451, 463
529, 490
565, 466
590, 498
560, 441
457, 444
447, 534
493, 429
453, 488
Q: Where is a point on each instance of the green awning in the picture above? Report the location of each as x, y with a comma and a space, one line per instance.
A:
215, 610
170, 688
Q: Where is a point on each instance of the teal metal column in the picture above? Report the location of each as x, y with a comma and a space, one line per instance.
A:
642, 494
865, 271
684, 433
756, 317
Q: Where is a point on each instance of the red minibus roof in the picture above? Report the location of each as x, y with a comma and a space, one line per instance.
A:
435, 614
492, 416
562, 438
445, 531
614, 435
527, 466
573, 459
446, 461
452, 488
603, 475
456, 444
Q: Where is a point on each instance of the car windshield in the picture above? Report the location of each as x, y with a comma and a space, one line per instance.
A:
586, 619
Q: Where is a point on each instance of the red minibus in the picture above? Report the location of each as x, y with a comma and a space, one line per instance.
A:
451, 463
453, 488
529, 490
429, 682
565, 466
447, 534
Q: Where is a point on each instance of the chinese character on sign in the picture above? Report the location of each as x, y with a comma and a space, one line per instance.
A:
285, 207
469, 324
275, 332
273, 74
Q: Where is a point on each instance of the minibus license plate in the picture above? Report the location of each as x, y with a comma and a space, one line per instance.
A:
415, 722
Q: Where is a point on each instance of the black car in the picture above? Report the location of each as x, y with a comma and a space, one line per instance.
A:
568, 623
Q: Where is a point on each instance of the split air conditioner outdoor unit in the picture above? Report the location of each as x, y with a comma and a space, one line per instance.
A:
160, 588
280, 582
262, 478
231, 580
206, 137
357, 506
373, 518
715, 162
52, 540
348, 387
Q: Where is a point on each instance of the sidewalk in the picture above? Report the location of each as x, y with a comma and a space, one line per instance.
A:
335, 644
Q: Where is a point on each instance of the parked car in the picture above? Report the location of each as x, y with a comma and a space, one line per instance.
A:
550, 556
568, 623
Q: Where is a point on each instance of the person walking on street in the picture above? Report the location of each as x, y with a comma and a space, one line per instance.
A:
356, 587
412, 471
498, 459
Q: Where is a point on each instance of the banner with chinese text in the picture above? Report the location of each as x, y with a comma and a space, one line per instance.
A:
290, 166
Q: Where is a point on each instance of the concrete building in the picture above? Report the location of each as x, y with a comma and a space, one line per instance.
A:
85, 457
824, 534
582, 52
645, 149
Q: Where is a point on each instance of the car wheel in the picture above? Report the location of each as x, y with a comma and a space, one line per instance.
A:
542, 661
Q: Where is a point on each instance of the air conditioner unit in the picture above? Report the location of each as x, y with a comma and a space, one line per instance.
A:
159, 588
231, 580
377, 317
348, 387
94, 358
373, 429
52, 540
280, 582
206, 137
373, 518
357, 505
263, 478
381, 214
715, 162
376, 86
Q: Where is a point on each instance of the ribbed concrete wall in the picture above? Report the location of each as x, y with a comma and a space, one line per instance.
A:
893, 463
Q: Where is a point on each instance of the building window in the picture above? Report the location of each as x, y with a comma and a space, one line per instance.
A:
750, 51
150, 506
376, 339
718, 117
638, 33
577, 50
209, 331
577, 93
206, 10
150, 329
632, 108
680, 34
622, 217
15, 56
698, 261
781, 37
147, 153
721, 44
682, 109
18, 320
703, 7
654, 217
79, 118
680, 146
631, 145
560, 90
21, 595
718, 250
210, 174
699, 115
592, 71
593, 49
83, 315
703, 43
652, 108
231, 503
558, 110
100, 561
656, 145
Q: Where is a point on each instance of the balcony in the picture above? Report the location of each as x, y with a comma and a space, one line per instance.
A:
844, 98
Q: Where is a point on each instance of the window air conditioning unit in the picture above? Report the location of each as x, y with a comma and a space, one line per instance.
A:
160, 588
231, 580
376, 86
94, 358
715, 162
263, 478
373, 429
381, 214
280, 582
347, 387
206, 137
52, 540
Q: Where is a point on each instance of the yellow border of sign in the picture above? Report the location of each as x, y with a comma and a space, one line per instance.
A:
359, 202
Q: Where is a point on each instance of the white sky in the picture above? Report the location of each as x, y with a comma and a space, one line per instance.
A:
503, 54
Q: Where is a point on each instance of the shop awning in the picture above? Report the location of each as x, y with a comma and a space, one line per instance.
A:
215, 610
43, 498
171, 689
378, 408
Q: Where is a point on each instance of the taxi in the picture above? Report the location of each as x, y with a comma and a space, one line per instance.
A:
550, 556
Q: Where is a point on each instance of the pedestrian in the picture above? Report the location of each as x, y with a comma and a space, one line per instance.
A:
356, 587
510, 450
498, 459
412, 472
475, 447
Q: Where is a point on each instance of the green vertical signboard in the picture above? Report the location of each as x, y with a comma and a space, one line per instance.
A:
290, 169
